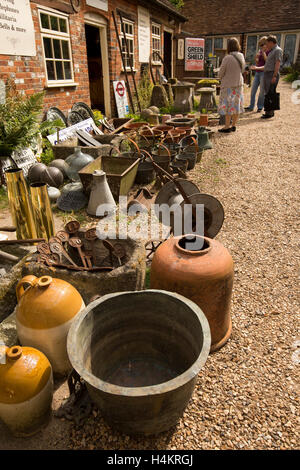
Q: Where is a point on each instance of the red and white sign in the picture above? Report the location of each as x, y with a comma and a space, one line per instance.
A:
120, 89
194, 54
121, 98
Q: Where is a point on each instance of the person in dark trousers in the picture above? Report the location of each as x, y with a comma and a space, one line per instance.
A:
271, 70
260, 60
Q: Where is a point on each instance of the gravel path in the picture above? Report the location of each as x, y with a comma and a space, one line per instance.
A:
247, 395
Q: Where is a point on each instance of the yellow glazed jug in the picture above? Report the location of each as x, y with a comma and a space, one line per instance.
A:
44, 315
26, 389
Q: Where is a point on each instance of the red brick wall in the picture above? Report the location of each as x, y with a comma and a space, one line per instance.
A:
234, 16
29, 72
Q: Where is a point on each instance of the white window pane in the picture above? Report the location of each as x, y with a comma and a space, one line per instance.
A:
289, 49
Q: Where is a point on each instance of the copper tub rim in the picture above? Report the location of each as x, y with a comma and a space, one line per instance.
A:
164, 387
193, 252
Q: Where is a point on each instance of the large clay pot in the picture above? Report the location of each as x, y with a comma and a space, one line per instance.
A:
26, 389
44, 315
204, 275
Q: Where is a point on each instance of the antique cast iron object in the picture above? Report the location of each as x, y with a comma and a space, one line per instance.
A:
140, 354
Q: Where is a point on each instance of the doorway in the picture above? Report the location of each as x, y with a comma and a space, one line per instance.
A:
167, 54
95, 67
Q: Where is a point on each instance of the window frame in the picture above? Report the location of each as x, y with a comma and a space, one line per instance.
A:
59, 35
158, 37
129, 37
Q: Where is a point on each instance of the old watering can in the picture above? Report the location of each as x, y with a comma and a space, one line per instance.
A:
100, 195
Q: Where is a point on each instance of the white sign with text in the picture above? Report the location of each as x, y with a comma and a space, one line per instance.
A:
16, 28
101, 4
64, 134
144, 34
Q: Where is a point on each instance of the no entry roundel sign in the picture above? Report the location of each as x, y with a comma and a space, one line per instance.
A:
120, 89
121, 98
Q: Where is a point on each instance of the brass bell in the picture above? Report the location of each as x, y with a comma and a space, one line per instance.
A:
202, 139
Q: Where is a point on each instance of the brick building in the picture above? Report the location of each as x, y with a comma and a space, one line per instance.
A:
70, 49
247, 20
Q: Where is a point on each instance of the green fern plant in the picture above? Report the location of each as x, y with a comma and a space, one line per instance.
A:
19, 122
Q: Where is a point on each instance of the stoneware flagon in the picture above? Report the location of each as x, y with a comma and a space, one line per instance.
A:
44, 315
26, 389
203, 273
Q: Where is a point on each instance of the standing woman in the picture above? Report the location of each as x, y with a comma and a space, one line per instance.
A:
231, 94
260, 60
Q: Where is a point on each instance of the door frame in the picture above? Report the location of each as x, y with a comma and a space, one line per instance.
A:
93, 19
171, 31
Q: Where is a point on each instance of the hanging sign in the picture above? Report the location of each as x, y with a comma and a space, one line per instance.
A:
144, 34
121, 98
194, 54
16, 28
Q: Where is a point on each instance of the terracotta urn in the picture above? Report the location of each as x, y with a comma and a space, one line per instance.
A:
45, 311
26, 389
200, 269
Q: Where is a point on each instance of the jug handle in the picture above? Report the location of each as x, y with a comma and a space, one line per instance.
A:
31, 280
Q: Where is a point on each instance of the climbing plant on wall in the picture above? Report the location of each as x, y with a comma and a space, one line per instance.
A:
177, 3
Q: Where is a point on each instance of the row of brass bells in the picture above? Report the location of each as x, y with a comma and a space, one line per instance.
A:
26, 389
45, 311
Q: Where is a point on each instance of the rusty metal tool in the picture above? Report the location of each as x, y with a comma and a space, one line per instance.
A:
72, 227
57, 248
44, 248
77, 243
63, 236
91, 236
88, 256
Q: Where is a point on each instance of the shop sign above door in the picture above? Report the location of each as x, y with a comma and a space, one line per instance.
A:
194, 54
16, 28
101, 4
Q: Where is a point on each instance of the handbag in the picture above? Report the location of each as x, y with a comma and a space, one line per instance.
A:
272, 100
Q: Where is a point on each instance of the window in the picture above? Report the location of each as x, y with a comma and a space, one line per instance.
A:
156, 42
129, 31
289, 49
56, 48
251, 48
218, 43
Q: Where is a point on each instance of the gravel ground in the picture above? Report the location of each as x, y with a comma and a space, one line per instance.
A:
247, 396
